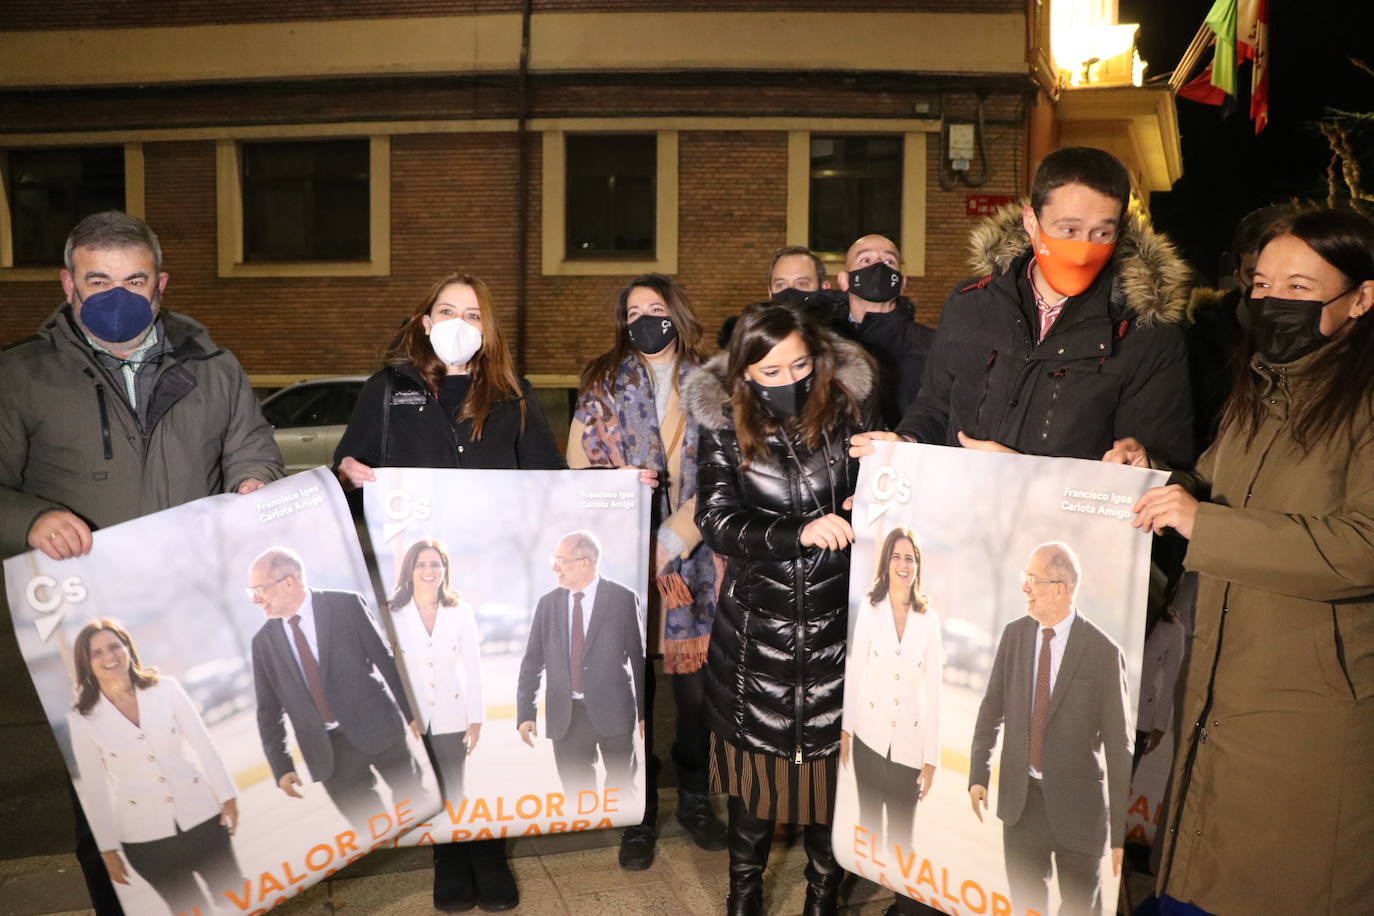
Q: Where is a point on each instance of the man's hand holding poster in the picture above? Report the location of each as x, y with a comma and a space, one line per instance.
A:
516, 603
217, 678
997, 609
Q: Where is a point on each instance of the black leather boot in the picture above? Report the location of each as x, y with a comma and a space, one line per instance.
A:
749, 838
823, 873
454, 891
695, 814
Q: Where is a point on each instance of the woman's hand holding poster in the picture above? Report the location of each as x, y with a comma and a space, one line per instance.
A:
997, 617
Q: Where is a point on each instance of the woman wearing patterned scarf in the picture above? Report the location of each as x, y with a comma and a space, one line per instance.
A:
628, 415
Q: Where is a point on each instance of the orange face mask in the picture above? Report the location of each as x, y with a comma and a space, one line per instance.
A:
1069, 265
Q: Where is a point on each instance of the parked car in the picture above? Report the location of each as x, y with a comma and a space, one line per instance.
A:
969, 652
310, 418
219, 688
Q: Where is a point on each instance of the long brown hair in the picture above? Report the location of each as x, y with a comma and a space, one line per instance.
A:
492, 370
919, 602
601, 372
762, 327
1336, 387
87, 687
405, 577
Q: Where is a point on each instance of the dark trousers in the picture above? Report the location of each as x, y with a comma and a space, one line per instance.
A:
575, 756
651, 761
171, 864
691, 740
1029, 847
448, 751
353, 786
884, 783
98, 884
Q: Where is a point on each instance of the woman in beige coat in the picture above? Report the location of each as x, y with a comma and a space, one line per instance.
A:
1272, 797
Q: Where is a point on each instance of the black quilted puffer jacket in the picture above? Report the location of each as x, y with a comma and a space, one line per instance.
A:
775, 667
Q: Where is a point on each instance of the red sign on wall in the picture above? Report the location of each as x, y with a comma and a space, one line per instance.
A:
985, 204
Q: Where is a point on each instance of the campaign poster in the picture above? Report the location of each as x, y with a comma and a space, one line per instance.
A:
1165, 651
997, 613
232, 717
515, 601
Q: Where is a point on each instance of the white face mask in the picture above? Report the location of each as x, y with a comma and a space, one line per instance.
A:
455, 341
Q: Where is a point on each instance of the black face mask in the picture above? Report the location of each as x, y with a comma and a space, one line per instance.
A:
783, 401
1287, 329
790, 295
878, 282
651, 333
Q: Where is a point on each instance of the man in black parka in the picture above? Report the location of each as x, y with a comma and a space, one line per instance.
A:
1071, 337
869, 308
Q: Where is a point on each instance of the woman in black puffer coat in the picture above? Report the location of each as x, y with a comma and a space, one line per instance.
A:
774, 474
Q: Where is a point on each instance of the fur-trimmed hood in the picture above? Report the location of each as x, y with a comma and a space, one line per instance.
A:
707, 399
1154, 281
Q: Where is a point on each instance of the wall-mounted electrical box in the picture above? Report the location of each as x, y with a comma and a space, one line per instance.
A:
961, 146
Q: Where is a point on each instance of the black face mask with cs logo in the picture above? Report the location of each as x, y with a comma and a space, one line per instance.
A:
1287, 329
651, 333
783, 401
878, 282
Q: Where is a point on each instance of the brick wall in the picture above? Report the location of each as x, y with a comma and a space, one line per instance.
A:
21, 15
454, 206
454, 203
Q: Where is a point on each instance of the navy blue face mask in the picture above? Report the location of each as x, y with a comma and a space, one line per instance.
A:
116, 315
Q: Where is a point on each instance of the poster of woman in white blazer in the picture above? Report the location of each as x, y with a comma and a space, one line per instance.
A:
891, 734
151, 807
439, 651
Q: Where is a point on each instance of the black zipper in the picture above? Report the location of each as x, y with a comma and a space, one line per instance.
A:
452, 429
799, 599
987, 384
104, 422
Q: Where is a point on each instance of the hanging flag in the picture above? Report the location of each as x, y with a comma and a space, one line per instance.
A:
1256, 46
1221, 19
1200, 89
1249, 25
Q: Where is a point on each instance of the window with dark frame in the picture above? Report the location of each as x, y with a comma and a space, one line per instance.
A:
856, 190
306, 200
611, 202
51, 190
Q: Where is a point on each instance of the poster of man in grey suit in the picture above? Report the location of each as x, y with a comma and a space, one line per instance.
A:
219, 785
1040, 587
320, 662
587, 644
1057, 692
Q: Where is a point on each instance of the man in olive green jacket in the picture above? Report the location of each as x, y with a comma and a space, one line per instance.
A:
95, 432
113, 410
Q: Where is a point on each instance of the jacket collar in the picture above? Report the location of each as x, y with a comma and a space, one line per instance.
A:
186, 338
706, 396
1146, 272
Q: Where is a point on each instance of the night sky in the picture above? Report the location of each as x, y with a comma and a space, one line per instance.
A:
1227, 170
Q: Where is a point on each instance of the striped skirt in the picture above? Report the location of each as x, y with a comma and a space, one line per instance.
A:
774, 787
